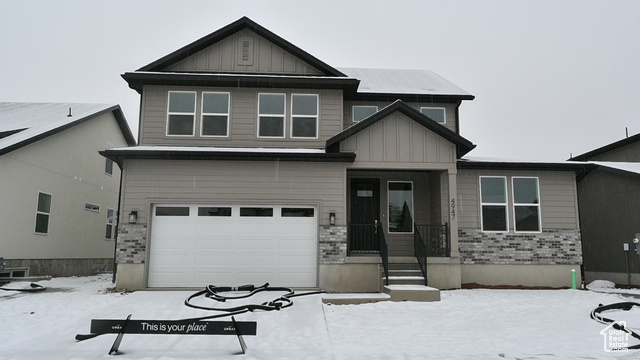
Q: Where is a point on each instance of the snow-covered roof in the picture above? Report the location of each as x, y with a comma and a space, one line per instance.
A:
22, 123
630, 167
399, 81
219, 149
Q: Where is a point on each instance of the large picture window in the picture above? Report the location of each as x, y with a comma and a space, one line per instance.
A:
43, 212
526, 204
215, 114
494, 203
304, 116
400, 207
435, 113
181, 113
271, 115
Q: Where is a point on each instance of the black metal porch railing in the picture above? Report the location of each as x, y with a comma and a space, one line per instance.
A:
384, 252
436, 239
420, 251
362, 239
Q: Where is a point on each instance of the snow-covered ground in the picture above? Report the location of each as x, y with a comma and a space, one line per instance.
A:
466, 324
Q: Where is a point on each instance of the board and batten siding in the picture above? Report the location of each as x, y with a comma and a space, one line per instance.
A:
261, 56
243, 122
398, 141
235, 182
450, 110
558, 197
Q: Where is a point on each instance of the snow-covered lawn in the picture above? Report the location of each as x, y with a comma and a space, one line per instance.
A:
466, 324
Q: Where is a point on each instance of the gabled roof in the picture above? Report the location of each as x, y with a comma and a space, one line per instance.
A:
628, 168
463, 145
25, 123
607, 148
396, 83
240, 24
513, 164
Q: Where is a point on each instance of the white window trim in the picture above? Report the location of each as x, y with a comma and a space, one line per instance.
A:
90, 207
523, 204
413, 220
44, 213
364, 106
444, 110
505, 204
112, 223
227, 114
284, 117
195, 106
317, 117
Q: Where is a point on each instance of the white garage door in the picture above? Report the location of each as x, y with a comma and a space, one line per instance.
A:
197, 245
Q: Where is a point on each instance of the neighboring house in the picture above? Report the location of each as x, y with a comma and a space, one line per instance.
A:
59, 196
610, 211
260, 163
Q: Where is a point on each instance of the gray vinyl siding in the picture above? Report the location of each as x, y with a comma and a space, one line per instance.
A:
224, 56
399, 141
558, 197
609, 209
243, 119
232, 182
450, 111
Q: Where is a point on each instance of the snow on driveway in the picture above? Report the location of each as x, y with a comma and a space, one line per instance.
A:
466, 324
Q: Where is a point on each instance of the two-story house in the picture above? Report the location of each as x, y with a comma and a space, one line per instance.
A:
58, 196
258, 162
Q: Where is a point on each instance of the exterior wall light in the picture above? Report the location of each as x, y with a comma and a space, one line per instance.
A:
332, 218
133, 217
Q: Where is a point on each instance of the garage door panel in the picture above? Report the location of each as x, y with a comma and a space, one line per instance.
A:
215, 245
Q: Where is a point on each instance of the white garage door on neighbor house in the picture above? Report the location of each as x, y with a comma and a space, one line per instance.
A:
231, 245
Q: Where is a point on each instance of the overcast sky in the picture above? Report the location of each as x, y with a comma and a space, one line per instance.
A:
550, 78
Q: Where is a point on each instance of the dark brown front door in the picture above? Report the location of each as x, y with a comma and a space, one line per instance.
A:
364, 215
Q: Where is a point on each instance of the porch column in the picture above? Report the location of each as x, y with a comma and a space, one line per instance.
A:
452, 211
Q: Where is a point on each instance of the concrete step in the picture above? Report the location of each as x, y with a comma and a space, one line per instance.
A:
404, 266
406, 280
412, 293
405, 272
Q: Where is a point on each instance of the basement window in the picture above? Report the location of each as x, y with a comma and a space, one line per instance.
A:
92, 207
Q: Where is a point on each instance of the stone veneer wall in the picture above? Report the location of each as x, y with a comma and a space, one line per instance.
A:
132, 244
551, 247
332, 244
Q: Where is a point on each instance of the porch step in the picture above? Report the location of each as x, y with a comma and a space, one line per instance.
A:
405, 274
412, 293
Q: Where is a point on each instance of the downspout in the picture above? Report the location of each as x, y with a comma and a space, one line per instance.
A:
115, 239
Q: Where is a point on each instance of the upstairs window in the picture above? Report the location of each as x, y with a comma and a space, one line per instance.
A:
526, 204
304, 116
181, 113
493, 197
215, 114
271, 115
435, 113
43, 212
360, 113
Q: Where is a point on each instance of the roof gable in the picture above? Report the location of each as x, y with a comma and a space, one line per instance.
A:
463, 146
25, 123
632, 140
175, 60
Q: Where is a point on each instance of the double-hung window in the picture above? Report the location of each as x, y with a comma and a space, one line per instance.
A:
110, 223
215, 114
493, 196
400, 207
271, 113
181, 113
43, 212
361, 112
304, 116
438, 114
526, 204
